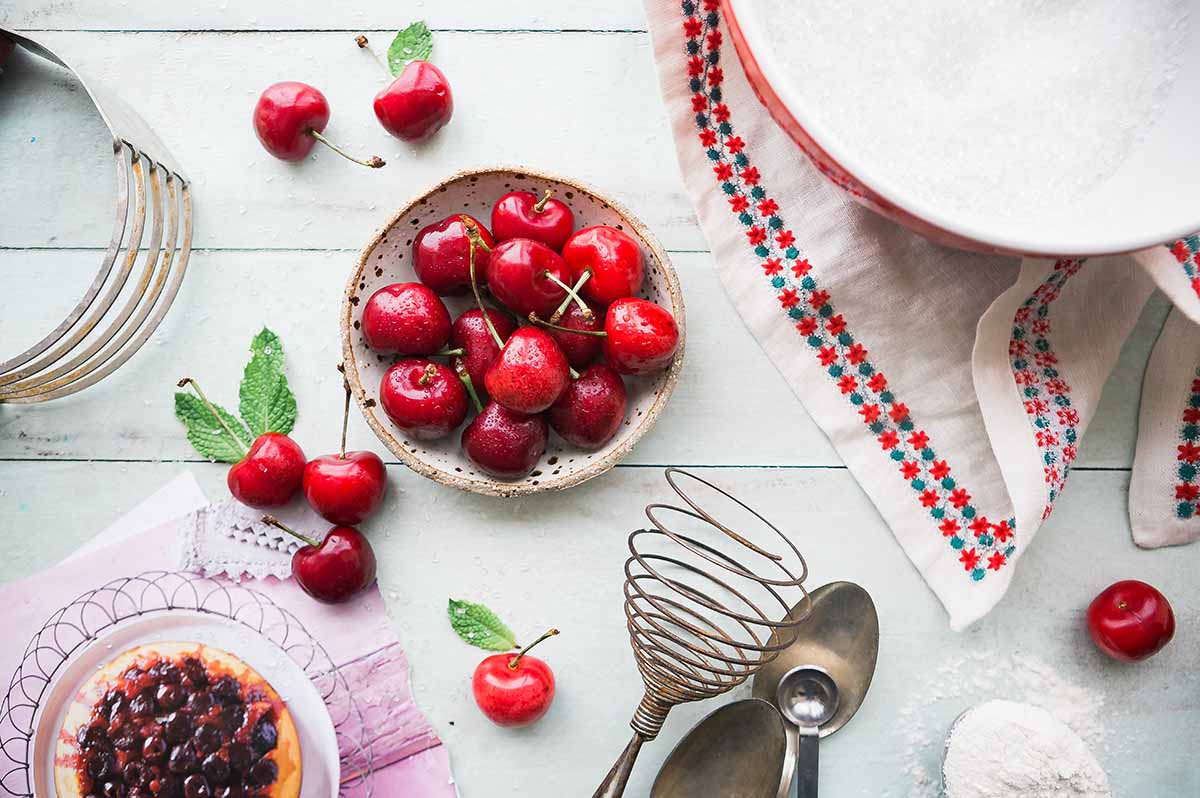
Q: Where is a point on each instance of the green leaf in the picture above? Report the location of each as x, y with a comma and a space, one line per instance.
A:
414, 43
480, 627
206, 434
267, 404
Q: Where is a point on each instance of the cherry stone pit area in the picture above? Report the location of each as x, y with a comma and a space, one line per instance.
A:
387, 258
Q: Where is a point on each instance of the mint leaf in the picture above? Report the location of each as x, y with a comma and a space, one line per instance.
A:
480, 627
206, 434
414, 43
267, 404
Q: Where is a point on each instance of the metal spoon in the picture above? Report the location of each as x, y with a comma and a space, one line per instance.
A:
841, 636
808, 698
738, 751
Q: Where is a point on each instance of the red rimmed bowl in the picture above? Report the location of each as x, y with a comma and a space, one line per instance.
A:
1149, 199
387, 258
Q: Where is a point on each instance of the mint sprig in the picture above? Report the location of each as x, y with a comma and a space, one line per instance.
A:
267, 405
480, 627
414, 43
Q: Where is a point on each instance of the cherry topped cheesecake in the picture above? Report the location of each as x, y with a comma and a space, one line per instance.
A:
177, 720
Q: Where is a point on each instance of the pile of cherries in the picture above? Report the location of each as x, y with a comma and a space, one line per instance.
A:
173, 730
551, 350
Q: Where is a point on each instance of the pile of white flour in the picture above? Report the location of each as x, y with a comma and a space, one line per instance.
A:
1002, 749
988, 106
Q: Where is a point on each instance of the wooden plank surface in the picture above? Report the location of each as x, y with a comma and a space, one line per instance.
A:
246, 15
556, 560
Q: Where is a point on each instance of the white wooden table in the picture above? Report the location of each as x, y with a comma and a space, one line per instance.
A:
273, 245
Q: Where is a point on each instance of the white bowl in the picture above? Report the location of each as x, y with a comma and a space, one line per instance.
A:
1152, 197
387, 259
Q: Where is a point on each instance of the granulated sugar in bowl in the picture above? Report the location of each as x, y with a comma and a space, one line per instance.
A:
1030, 126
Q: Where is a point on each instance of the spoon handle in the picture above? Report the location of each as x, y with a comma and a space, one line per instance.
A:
807, 762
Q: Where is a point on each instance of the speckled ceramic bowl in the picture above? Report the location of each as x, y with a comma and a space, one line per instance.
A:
387, 258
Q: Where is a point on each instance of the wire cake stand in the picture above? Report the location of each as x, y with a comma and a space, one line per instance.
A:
71, 630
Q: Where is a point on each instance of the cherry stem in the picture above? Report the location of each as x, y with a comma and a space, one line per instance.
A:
195, 386
374, 161
571, 295
430, 370
275, 522
363, 44
512, 663
475, 241
345, 410
587, 312
450, 353
541, 204
535, 319
469, 384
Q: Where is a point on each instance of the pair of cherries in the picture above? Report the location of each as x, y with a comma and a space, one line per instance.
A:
290, 117
344, 488
575, 290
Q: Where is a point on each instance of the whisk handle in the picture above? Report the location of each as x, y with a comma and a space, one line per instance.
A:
614, 783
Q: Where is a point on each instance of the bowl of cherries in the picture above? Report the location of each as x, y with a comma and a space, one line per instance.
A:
509, 332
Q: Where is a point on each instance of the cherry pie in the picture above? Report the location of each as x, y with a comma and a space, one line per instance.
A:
177, 720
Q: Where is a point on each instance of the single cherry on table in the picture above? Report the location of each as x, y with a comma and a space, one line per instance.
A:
514, 689
423, 398
335, 568
270, 471
441, 254
405, 318
504, 443
347, 487
520, 214
289, 119
1130, 621
417, 104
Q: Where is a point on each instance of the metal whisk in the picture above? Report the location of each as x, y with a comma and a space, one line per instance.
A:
100, 333
693, 612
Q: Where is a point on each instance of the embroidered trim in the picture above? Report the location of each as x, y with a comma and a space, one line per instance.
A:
1187, 491
981, 544
1187, 252
1046, 394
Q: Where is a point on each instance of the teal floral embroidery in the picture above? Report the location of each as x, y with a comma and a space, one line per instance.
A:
981, 545
1187, 490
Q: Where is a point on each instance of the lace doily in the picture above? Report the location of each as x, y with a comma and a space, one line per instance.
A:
229, 539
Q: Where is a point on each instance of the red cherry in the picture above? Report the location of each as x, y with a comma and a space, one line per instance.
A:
423, 398
614, 260
529, 374
514, 690
592, 408
470, 334
345, 489
1130, 621
337, 568
519, 214
270, 473
416, 104
641, 337
527, 276
504, 443
289, 118
405, 318
441, 255
581, 350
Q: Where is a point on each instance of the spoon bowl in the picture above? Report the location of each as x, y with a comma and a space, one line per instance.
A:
807, 697
841, 638
738, 751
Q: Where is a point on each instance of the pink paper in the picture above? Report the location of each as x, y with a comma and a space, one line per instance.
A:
407, 757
